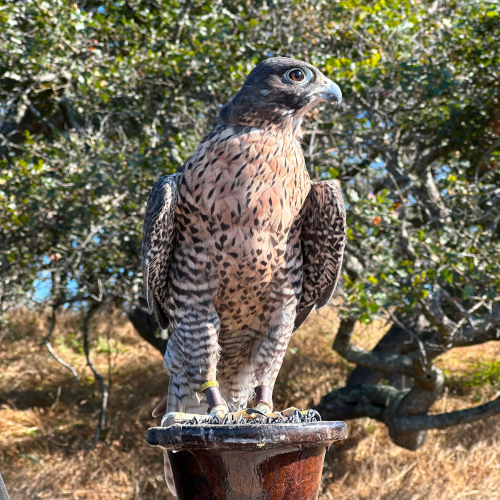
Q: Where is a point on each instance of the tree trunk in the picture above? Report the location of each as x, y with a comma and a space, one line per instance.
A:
147, 327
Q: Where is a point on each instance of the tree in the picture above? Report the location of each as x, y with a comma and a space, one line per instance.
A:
98, 100
422, 188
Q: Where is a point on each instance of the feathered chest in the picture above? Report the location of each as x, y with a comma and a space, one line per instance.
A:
250, 178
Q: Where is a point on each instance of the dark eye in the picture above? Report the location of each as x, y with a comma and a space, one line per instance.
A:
298, 75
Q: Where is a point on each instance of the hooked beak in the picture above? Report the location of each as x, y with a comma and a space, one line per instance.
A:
331, 92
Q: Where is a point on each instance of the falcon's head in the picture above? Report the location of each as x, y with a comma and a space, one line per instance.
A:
279, 89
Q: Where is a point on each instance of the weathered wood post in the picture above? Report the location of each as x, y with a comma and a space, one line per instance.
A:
276, 461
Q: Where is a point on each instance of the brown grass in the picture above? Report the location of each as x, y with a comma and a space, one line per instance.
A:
47, 420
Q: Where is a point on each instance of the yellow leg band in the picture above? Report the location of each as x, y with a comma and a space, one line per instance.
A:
207, 385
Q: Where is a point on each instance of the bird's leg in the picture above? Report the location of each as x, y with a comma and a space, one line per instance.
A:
264, 398
263, 406
217, 407
269, 353
192, 357
216, 404
271, 350
201, 356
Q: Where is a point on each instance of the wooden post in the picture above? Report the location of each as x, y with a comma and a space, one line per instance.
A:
247, 461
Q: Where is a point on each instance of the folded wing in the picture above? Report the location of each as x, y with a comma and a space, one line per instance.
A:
157, 244
323, 238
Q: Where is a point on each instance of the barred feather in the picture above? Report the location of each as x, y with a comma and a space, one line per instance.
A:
323, 237
157, 244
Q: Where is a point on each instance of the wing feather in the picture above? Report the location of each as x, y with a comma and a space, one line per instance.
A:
323, 237
157, 244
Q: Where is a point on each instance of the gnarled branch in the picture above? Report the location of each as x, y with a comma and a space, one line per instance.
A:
405, 411
384, 362
444, 420
357, 401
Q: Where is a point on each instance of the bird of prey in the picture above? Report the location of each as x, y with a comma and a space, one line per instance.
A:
239, 246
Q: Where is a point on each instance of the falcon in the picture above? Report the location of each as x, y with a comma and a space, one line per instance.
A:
239, 246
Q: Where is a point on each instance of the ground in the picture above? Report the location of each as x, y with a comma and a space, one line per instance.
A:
47, 419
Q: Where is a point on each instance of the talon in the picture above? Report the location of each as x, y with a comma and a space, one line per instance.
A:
288, 412
161, 408
264, 407
219, 411
176, 417
247, 414
261, 410
253, 411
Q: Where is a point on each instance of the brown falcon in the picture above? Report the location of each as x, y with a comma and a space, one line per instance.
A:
239, 246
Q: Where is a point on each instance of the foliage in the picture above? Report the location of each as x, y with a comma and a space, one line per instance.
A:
99, 99
96, 104
102, 99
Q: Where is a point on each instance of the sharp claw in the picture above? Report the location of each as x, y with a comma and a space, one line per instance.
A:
223, 415
161, 408
242, 415
288, 412
176, 418
219, 411
252, 411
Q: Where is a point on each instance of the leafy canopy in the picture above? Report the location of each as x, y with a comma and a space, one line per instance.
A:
99, 99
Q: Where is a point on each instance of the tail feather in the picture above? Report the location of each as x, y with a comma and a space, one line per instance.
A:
181, 399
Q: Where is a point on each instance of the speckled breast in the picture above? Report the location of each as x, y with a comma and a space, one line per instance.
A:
238, 199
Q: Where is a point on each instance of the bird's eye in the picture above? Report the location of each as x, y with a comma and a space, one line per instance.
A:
298, 75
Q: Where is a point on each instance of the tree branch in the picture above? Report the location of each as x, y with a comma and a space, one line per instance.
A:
421, 166
180, 20
444, 420
48, 345
384, 362
405, 411
357, 401
363, 165
396, 341
487, 328
99, 378
147, 327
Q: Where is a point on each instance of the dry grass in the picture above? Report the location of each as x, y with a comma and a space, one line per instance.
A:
47, 419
